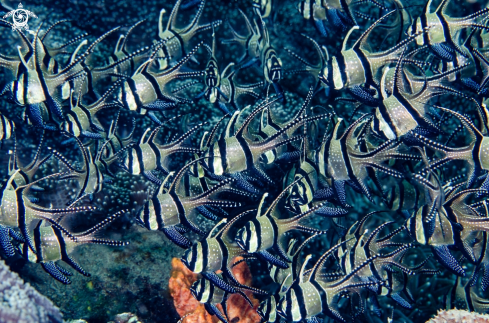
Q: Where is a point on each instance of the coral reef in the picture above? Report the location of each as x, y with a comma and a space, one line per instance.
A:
20, 303
456, 316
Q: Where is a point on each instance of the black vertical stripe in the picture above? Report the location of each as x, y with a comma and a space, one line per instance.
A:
225, 253
424, 25
205, 253
247, 152
154, 83
223, 153
300, 300
180, 209
146, 215
37, 242
342, 67
258, 230
158, 215
137, 99
275, 230
139, 154
61, 243
468, 298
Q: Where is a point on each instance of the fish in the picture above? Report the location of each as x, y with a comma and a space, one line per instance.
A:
234, 153
167, 209
267, 230
442, 37
146, 91
18, 211
55, 243
311, 295
148, 155
174, 41
207, 293
218, 252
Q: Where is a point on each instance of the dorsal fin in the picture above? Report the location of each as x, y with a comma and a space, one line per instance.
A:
303, 267
86, 158
89, 50
363, 38
213, 41
113, 126
123, 46
34, 161
319, 264
162, 186
223, 73
176, 180
21, 33
260, 206
90, 157
398, 77
153, 134
474, 132
345, 41
35, 58
359, 224
144, 65
441, 7
98, 156
118, 45
160, 22
230, 126
294, 257
212, 134
52, 26
428, 7
306, 103
209, 235
173, 15
249, 27
77, 49
284, 191
305, 143
262, 105
142, 141
21, 57
282, 286
336, 128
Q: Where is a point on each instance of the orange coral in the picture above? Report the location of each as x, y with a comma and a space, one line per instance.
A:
238, 309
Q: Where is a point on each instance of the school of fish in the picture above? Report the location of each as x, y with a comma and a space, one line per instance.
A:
359, 194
